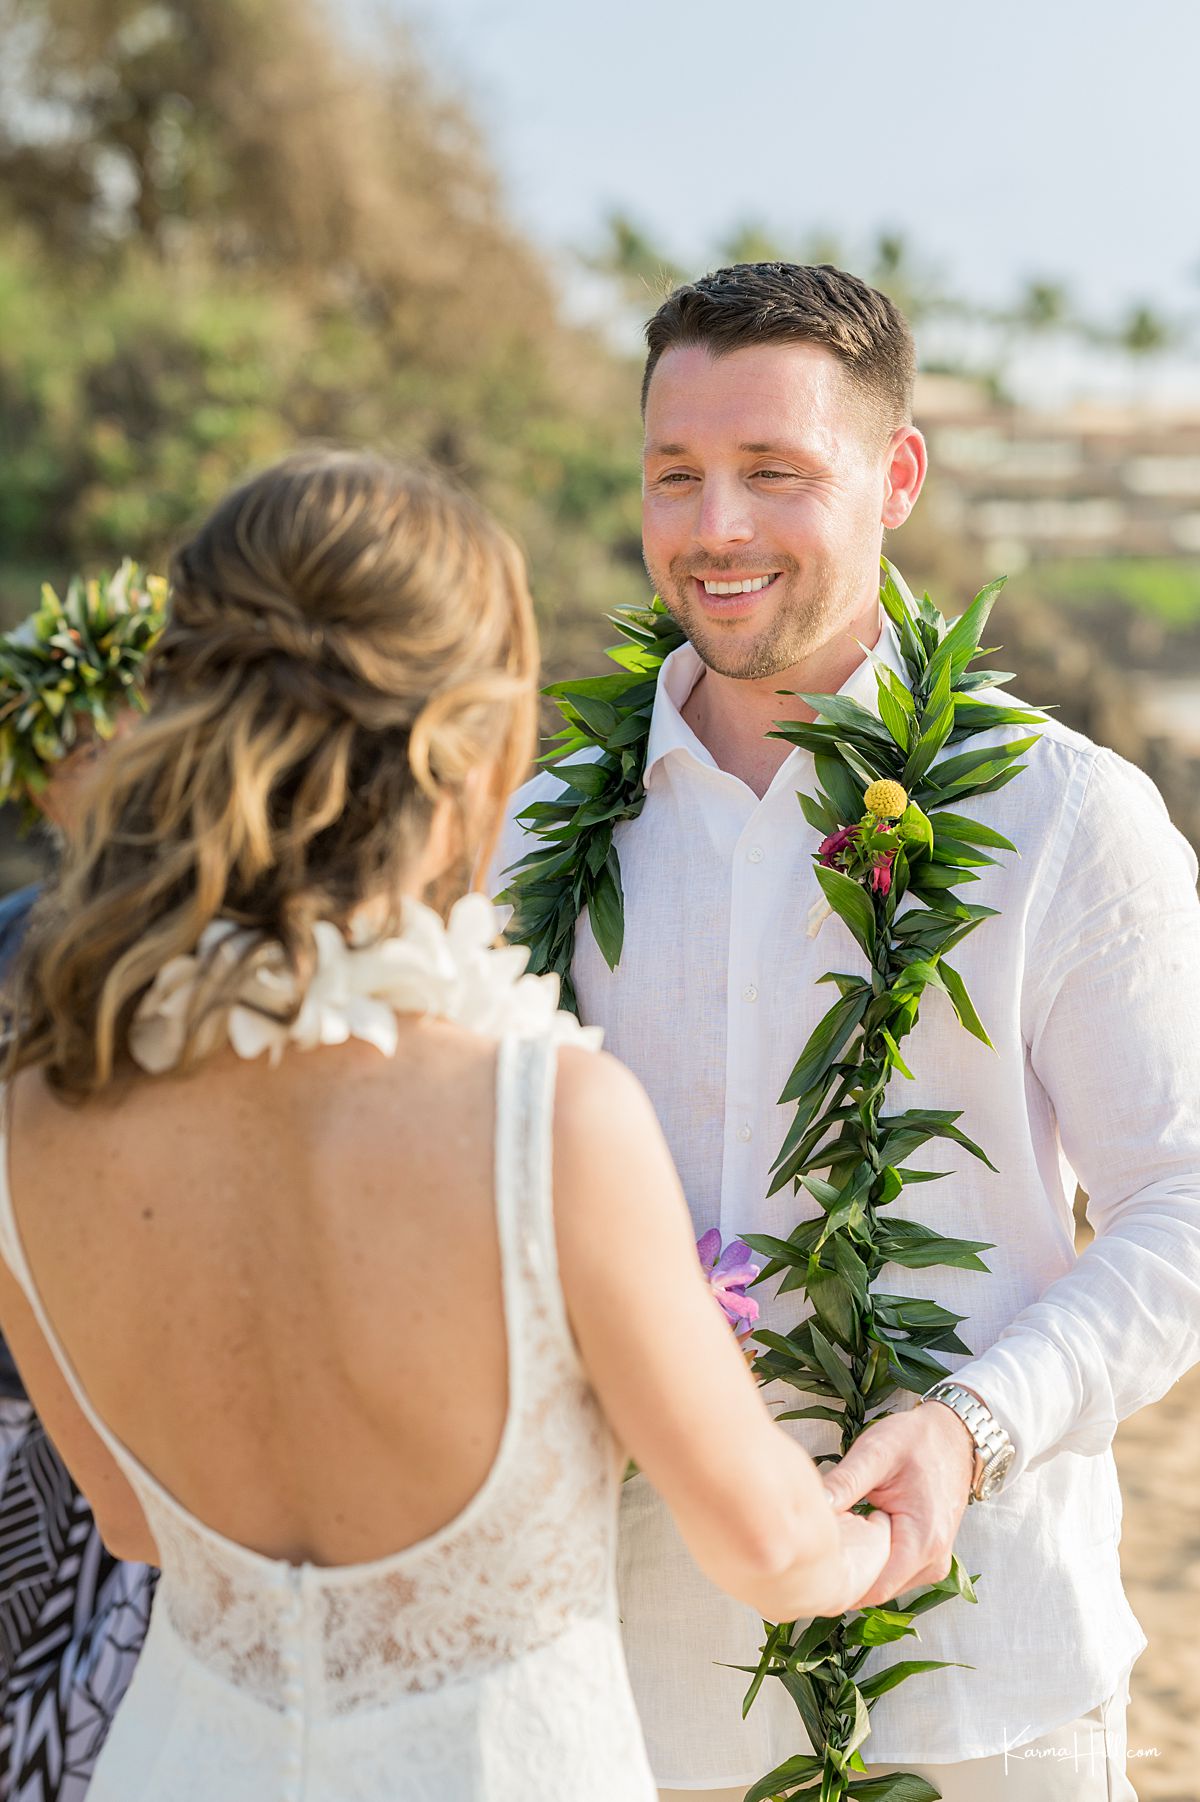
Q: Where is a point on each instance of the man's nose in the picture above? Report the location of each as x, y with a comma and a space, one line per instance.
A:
723, 517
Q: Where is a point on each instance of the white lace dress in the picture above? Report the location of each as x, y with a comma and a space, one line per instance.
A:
483, 1664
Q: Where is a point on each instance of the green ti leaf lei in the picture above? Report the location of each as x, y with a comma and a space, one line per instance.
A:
74, 662
885, 810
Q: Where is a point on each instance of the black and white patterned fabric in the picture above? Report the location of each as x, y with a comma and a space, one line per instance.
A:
72, 1621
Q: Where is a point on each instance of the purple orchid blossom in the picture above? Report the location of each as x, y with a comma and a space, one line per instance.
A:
728, 1273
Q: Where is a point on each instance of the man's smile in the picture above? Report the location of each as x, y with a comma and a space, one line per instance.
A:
731, 597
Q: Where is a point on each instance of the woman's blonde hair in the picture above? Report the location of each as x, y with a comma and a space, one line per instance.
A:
347, 640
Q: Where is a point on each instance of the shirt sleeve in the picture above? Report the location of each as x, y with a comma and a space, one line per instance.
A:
1112, 1025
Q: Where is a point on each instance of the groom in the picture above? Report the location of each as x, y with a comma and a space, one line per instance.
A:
779, 447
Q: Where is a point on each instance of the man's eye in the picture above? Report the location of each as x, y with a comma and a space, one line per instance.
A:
774, 475
675, 475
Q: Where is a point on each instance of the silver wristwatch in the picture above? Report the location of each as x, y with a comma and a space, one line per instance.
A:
994, 1450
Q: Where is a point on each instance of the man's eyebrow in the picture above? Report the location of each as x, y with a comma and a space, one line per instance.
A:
753, 450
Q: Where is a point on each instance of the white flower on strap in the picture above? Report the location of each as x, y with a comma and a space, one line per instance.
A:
456, 971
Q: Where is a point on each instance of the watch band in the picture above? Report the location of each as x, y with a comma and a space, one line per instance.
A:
994, 1450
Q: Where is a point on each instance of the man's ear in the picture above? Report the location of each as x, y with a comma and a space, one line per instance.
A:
904, 476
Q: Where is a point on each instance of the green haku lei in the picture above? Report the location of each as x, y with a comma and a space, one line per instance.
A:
75, 662
857, 1347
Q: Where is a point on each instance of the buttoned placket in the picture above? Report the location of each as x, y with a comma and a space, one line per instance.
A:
755, 873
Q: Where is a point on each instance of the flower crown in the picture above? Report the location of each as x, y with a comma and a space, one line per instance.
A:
73, 663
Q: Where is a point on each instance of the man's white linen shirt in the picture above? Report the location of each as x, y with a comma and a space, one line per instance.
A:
1089, 985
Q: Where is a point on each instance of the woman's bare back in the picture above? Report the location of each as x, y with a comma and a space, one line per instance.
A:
305, 1269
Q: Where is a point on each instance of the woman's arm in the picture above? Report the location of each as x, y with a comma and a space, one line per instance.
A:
748, 1500
119, 1517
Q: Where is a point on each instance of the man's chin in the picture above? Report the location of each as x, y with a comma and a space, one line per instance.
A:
742, 657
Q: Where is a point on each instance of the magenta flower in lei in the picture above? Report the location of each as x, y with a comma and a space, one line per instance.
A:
728, 1274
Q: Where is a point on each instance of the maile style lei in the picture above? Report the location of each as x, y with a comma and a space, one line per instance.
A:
883, 807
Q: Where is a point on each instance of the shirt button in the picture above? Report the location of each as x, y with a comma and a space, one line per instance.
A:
750, 993
745, 1134
754, 854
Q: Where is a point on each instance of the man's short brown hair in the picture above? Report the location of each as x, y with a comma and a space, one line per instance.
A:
795, 303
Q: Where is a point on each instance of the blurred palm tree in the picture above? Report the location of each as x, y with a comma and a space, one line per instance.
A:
1044, 306
751, 242
1144, 332
641, 269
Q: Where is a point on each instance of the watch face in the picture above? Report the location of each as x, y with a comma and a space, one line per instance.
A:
997, 1472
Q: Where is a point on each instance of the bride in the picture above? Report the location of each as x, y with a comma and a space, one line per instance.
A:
338, 1264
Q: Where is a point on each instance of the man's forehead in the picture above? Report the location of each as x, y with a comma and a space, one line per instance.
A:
756, 399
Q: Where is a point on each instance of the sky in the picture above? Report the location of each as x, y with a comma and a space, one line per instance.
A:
1050, 139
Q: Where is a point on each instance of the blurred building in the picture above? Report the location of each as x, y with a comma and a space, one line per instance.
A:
1088, 481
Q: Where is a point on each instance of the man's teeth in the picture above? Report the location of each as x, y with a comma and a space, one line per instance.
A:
750, 587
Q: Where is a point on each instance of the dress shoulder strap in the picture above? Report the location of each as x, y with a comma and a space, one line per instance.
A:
11, 1249
13, 1252
525, 1195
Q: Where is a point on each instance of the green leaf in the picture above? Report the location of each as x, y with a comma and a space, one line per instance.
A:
773, 1637
917, 1247
900, 607
780, 1251
894, 1051
879, 1682
851, 903
879, 1627
962, 640
938, 723
586, 779
598, 716
631, 731
838, 710
893, 714
972, 832
861, 1724
819, 814
606, 912
833, 1366
963, 1006
826, 1041
833, 1304
913, 819
843, 789
901, 1786
955, 854
982, 762
785, 1776
803, 1693
955, 1583
851, 1267
816, 1412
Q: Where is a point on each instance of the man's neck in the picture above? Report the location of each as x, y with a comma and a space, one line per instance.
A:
731, 718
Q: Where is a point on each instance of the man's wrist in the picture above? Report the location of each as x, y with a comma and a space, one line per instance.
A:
994, 1451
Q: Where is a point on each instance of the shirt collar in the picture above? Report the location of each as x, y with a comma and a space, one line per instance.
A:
681, 671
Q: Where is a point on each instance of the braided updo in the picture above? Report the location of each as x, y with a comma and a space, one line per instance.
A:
349, 643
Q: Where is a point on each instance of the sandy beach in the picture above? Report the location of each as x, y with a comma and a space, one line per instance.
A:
1158, 1456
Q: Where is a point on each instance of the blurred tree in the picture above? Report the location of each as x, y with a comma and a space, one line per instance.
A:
222, 230
245, 130
751, 242
641, 270
1044, 306
1145, 332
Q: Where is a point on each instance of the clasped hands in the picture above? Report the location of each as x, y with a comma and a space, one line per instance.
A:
916, 1467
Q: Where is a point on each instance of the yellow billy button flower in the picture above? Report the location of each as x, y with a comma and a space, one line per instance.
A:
886, 800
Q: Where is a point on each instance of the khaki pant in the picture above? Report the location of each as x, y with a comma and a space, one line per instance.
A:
1081, 1762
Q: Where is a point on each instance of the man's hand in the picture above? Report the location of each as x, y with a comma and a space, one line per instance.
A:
918, 1466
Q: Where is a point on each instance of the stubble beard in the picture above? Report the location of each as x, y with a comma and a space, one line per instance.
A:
801, 623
